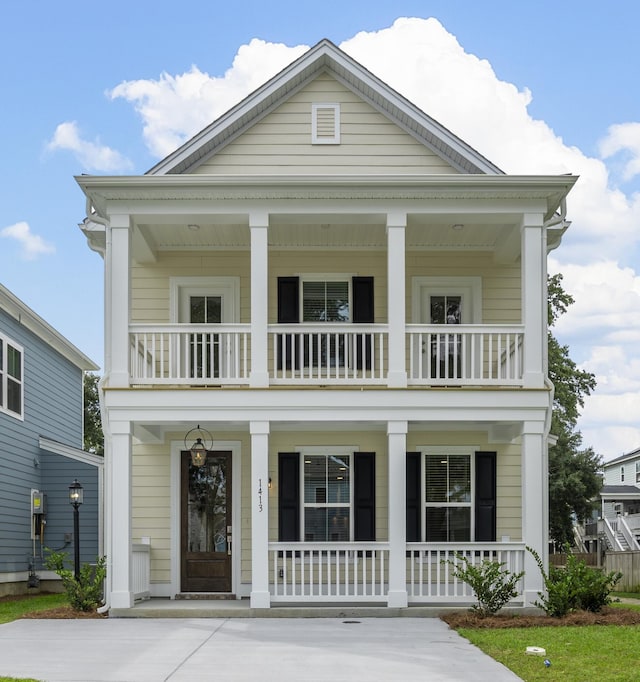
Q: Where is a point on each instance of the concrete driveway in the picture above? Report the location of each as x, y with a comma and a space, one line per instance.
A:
226, 650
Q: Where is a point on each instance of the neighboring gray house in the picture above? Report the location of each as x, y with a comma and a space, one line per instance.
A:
41, 436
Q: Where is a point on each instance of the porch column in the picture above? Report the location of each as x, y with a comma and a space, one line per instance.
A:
258, 227
535, 506
396, 224
260, 597
397, 444
534, 300
117, 301
119, 510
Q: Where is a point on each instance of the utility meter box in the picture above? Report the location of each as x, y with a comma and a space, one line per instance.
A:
38, 502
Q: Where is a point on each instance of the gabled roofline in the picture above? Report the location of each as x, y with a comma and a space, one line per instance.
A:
13, 306
325, 56
634, 454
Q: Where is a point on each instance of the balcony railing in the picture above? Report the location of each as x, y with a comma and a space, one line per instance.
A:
328, 353
189, 354
465, 354
324, 354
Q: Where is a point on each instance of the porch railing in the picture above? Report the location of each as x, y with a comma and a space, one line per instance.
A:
465, 354
328, 353
189, 353
430, 576
141, 571
303, 571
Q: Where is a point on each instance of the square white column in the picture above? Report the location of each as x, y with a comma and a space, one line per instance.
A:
260, 596
258, 227
119, 509
396, 304
534, 300
397, 444
117, 303
535, 507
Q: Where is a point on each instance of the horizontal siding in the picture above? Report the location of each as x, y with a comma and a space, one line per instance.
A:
53, 409
281, 142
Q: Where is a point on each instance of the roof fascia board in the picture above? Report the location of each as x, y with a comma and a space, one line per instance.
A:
70, 452
44, 331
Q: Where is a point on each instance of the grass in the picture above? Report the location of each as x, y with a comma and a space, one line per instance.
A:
577, 654
11, 609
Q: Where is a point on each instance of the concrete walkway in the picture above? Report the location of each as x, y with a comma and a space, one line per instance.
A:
234, 649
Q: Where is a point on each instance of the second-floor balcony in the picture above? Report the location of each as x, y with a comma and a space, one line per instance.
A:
326, 354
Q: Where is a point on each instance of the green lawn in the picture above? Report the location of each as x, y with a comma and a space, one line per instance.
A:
10, 609
577, 654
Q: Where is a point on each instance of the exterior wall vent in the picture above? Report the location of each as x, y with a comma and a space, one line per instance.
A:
325, 124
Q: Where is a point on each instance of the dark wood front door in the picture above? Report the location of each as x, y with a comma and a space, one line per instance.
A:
206, 524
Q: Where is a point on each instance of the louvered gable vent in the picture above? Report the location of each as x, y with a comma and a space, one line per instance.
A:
325, 124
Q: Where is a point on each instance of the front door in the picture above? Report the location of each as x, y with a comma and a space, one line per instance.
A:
206, 524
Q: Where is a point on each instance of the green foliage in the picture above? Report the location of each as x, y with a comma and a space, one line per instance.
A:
84, 594
93, 436
574, 587
574, 474
492, 585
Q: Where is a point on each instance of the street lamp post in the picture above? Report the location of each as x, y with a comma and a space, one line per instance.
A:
75, 499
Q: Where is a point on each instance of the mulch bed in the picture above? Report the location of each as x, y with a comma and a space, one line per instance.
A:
64, 612
608, 616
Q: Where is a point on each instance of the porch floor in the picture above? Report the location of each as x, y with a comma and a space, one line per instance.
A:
241, 608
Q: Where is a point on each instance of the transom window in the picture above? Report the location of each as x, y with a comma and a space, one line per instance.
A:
11, 377
327, 497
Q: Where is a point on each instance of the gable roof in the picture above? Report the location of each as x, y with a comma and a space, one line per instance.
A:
325, 57
14, 307
634, 454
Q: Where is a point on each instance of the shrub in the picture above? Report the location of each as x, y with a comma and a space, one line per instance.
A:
492, 584
84, 594
574, 587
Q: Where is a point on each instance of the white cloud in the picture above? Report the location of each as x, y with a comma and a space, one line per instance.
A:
424, 62
174, 108
625, 138
92, 155
32, 244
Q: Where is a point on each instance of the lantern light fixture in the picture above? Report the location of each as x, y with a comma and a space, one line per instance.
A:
199, 448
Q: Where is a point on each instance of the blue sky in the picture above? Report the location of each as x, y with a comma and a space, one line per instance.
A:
539, 87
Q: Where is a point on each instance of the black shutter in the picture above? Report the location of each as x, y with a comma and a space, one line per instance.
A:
362, 294
288, 497
364, 496
288, 313
485, 504
414, 511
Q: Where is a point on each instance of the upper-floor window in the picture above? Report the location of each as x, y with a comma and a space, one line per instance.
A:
621, 474
11, 377
638, 472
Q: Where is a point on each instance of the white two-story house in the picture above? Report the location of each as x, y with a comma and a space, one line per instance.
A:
343, 305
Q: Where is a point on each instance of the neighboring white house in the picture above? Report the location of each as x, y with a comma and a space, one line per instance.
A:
346, 304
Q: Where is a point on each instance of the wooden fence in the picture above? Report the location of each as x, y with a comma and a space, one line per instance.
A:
628, 563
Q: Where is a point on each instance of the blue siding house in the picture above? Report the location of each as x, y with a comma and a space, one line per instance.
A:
41, 437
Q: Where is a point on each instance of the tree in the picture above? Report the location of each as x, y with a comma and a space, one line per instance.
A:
93, 436
574, 473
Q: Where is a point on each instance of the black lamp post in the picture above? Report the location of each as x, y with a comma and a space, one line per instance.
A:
75, 499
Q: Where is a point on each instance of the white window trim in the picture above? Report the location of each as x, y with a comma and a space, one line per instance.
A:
469, 288
442, 450
341, 451
4, 378
622, 474
227, 287
315, 139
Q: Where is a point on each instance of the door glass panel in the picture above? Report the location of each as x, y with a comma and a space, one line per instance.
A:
445, 348
205, 348
207, 506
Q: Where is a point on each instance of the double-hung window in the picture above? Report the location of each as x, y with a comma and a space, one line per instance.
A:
451, 495
11, 377
327, 497
326, 494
